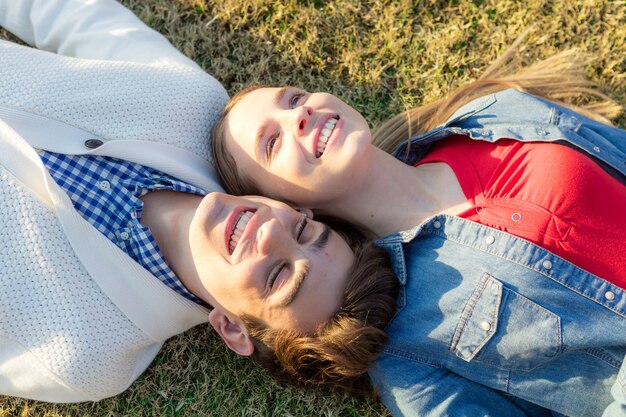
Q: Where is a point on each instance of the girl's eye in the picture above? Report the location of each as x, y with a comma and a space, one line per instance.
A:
293, 101
269, 146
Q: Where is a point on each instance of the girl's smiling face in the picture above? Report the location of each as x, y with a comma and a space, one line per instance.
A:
297, 146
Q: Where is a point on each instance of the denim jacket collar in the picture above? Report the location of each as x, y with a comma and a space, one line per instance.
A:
445, 129
516, 115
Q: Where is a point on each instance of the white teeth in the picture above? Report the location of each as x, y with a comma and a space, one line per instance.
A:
324, 135
240, 226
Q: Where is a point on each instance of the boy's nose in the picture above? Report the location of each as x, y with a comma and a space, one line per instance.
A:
271, 237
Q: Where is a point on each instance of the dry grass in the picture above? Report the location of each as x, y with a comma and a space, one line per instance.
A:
380, 56
384, 55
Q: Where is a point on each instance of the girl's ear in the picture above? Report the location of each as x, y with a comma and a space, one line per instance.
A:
232, 332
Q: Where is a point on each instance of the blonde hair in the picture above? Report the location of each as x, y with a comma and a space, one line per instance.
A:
559, 78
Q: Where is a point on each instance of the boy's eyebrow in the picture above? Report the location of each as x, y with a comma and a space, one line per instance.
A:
322, 239
260, 132
303, 272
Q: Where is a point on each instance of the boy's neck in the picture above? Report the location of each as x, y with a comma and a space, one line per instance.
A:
168, 215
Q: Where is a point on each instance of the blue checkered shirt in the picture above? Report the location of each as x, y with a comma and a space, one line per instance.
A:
106, 191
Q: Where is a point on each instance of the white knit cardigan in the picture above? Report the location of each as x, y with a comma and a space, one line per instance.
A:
80, 320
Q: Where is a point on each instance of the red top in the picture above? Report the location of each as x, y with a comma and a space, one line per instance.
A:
546, 193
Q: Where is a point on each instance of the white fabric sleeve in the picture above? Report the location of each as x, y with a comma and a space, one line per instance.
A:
91, 29
22, 375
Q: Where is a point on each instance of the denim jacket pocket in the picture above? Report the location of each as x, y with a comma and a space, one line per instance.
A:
501, 327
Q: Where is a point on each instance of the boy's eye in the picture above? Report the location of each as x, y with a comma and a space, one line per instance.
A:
301, 227
293, 101
274, 274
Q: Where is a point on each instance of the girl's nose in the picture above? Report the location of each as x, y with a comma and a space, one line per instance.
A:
302, 118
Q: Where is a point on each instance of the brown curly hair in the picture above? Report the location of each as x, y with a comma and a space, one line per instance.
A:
342, 349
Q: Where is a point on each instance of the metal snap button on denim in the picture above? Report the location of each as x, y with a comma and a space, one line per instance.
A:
490, 239
609, 295
596, 148
547, 264
485, 325
437, 224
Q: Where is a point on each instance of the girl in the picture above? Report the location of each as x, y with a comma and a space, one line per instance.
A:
513, 277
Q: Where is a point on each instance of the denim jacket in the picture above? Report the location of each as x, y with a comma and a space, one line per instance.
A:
488, 324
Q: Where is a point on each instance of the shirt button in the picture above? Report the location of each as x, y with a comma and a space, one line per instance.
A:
124, 235
516, 217
609, 295
93, 143
490, 240
485, 325
596, 148
104, 185
547, 264
437, 224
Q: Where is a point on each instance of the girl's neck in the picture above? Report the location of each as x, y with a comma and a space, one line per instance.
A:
393, 196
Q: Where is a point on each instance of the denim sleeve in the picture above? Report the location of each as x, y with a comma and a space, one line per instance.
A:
411, 389
618, 407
